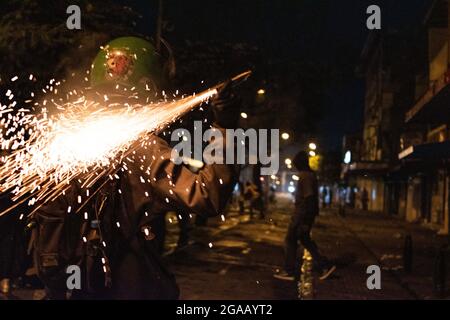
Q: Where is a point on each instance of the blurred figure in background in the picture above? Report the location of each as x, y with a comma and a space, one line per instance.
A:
241, 198
254, 196
364, 199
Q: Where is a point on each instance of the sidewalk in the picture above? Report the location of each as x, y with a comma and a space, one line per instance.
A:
361, 239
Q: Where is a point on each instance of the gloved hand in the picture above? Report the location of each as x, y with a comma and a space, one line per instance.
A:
225, 107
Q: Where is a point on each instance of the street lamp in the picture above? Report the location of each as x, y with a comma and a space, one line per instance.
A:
285, 136
261, 92
348, 157
312, 146
244, 115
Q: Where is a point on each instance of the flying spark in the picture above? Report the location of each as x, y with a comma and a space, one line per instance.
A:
84, 141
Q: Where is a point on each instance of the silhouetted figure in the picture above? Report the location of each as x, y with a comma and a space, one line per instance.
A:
254, 196
364, 199
302, 221
241, 198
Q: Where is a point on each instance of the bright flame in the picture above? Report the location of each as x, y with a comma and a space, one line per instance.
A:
83, 139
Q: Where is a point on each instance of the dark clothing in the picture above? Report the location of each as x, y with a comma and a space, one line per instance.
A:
184, 227
365, 199
300, 229
306, 196
13, 240
136, 269
302, 220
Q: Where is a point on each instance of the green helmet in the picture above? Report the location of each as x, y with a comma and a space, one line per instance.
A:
128, 61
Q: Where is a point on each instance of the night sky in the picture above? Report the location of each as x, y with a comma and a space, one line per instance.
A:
327, 31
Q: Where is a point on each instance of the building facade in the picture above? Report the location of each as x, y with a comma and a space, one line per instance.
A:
404, 155
425, 143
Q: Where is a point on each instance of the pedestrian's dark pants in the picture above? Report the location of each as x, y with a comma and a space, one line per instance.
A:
183, 224
241, 206
300, 230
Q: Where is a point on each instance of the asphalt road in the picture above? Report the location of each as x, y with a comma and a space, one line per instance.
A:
234, 257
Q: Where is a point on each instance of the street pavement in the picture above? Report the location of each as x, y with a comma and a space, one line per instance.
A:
234, 257
245, 253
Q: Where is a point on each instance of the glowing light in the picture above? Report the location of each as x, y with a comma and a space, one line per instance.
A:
85, 141
291, 189
285, 136
312, 153
82, 141
348, 157
244, 115
288, 161
312, 146
295, 177
261, 91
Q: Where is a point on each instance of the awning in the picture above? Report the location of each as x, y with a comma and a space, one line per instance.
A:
427, 151
365, 168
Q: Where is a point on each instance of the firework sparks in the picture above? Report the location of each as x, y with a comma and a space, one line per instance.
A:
84, 140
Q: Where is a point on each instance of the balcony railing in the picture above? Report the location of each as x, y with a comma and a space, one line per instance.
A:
434, 89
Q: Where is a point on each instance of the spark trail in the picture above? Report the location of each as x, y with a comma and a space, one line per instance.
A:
86, 140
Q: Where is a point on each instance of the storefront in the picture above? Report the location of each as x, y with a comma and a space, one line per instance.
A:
427, 197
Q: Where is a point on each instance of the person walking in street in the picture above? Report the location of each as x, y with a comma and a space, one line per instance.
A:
364, 199
302, 221
324, 196
241, 199
254, 196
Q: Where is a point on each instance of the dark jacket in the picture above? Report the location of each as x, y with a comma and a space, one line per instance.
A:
154, 186
306, 197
